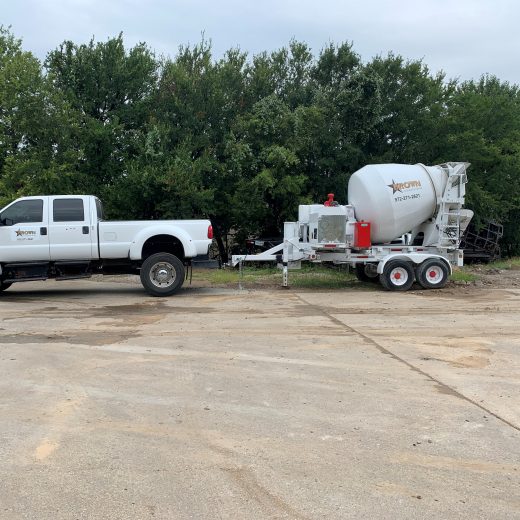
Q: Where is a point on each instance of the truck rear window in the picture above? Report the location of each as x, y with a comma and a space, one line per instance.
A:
99, 209
68, 210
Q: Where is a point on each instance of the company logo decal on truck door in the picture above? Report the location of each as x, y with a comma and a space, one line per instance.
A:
24, 234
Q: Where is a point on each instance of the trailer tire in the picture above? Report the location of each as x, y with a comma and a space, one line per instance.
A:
432, 274
162, 274
363, 275
4, 286
397, 275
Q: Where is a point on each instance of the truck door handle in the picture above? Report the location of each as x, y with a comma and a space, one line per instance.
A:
85, 230
43, 231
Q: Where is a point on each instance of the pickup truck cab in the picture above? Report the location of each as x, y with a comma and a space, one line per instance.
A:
65, 237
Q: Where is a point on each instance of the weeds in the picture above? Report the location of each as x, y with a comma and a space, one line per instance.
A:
509, 263
315, 276
309, 276
463, 276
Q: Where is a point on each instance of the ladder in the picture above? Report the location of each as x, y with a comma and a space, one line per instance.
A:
449, 206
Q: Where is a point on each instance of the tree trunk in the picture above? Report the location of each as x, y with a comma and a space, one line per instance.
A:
221, 249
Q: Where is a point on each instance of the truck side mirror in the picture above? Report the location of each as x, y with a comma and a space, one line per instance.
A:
6, 221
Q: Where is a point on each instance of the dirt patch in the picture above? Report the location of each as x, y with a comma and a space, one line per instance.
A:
92, 338
159, 308
446, 463
126, 310
446, 390
270, 503
502, 278
29, 338
463, 362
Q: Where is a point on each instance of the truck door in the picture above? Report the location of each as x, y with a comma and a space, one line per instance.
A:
24, 231
69, 228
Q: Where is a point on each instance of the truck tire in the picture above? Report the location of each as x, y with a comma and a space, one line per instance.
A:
4, 286
162, 274
432, 274
397, 275
364, 275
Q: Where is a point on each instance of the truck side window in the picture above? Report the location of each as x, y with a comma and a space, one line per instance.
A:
23, 211
99, 210
68, 210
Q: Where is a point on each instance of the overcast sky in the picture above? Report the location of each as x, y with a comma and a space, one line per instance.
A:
465, 38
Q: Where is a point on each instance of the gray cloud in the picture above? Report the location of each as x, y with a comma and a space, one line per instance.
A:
465, 38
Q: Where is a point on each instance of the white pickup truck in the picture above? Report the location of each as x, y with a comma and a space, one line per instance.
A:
65, 237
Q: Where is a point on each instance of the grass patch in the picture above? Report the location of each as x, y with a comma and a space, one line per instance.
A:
216, 276
319, 277
309, 276
463, 276
230, 275
509, 263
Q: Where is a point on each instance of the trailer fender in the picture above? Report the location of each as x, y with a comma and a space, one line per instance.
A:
416, 258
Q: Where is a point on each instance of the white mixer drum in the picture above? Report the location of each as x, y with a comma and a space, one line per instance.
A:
395, 198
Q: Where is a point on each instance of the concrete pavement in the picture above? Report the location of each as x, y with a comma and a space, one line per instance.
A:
220, 403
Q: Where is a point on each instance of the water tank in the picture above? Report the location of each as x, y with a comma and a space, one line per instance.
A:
395, 198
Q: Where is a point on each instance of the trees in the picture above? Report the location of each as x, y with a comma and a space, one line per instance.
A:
271, 183
243, 139
483, 123
107, 90
23, 107
413, 108
333, 131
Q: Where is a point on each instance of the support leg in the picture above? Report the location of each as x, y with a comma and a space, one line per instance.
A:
285, 264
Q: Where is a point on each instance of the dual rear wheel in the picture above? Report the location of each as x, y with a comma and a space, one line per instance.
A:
399, 275
162, 274
432, 274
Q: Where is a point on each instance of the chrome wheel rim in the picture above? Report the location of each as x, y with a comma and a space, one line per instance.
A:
163, 275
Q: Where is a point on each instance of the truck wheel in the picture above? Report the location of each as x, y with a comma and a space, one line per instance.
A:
162, 274
397, 276
432, 274
4, 286
365, 275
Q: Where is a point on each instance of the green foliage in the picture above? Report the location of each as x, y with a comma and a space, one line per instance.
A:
413, 104
461, 275
243, 139
483, 126
22, 100
312, 276
511, 263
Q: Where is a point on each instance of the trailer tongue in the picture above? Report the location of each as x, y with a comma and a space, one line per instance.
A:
403, 224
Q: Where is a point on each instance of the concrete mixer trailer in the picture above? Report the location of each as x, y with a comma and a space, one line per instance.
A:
403, 223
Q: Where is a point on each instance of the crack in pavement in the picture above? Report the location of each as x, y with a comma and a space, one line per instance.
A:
445, 388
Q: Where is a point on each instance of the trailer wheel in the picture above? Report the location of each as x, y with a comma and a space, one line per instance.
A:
162, 274
365, 275
432, 274
397, 276
4, 286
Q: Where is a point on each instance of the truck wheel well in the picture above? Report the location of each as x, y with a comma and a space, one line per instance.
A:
163, 244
